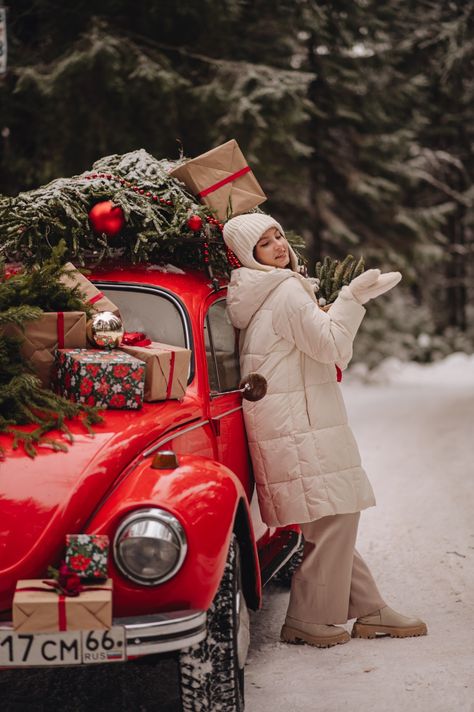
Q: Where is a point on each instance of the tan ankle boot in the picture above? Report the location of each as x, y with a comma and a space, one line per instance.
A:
319, 635
386, 621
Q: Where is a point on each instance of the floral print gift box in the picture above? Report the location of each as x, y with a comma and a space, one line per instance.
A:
86, 555
106, 379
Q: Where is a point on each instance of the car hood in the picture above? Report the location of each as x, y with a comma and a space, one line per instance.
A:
54, 494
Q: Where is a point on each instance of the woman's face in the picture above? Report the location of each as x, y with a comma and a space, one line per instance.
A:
272, 249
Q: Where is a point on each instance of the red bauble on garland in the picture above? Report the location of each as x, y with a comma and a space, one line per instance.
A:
105, 217
195, 223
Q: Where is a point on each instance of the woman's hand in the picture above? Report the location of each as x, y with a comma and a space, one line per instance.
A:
373, 283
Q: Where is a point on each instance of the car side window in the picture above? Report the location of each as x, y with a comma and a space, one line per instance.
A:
222, 351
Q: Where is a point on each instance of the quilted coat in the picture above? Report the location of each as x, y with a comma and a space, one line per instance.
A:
305, 459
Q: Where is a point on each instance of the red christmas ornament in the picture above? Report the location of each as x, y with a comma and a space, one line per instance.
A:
195, 223
105, 217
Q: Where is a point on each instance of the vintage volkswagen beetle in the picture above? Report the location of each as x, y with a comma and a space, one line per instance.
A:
171, 486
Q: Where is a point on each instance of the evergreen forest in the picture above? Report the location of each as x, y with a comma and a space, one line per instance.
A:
357, 117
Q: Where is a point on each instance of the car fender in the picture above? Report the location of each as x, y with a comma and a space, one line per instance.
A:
210, 503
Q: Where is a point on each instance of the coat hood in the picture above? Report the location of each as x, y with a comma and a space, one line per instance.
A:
249, 288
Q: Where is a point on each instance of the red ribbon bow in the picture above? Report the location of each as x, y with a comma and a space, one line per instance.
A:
135, 338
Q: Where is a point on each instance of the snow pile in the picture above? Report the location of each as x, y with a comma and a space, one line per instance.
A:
455, 368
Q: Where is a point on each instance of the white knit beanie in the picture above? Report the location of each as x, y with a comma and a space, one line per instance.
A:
242, 233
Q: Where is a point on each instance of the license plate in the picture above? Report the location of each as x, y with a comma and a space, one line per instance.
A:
68, 648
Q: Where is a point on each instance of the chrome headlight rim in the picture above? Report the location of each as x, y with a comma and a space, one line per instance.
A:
163, 517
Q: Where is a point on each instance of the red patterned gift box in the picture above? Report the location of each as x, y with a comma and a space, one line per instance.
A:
86, 555
107, 379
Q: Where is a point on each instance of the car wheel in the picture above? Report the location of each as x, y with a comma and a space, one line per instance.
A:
212, 672
285, 574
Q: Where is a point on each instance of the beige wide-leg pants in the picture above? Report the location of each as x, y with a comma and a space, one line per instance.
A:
332, 583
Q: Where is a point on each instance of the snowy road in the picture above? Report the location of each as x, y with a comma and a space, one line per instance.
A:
416, 437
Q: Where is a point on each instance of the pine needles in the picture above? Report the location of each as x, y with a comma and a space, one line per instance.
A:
23, 297
332, 275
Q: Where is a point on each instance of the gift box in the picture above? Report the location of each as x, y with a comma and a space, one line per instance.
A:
107, 379
41, 338
222, 179
167, 369
93, 296
86, 555
38, 607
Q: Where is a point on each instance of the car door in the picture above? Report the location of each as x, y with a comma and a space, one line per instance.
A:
225, 404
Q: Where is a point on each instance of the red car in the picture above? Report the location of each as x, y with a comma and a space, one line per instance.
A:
171, 485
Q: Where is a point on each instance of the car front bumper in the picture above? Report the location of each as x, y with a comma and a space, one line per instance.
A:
140, 636
163, 632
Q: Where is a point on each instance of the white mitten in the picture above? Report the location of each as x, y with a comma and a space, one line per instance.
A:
372, 284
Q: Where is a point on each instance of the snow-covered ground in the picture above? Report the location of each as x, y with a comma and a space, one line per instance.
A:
415, 429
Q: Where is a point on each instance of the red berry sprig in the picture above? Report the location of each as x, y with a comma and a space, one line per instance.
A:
232, 259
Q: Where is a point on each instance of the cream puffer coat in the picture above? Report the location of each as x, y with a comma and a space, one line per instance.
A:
305, 459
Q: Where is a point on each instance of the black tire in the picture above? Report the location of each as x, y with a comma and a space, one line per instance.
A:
285, 574
212, 672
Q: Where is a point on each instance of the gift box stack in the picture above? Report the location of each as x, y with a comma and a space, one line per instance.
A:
68, 602
58, 346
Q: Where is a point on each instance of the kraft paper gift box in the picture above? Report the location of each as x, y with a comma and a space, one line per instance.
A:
222, 179
43, 336
45, 611
102, 378
167, 369
93, 296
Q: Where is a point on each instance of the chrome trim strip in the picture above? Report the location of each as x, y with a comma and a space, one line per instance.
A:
268, 573
172, 435
228, 412
164, 632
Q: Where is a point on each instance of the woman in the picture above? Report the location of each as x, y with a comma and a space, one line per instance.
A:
305, 459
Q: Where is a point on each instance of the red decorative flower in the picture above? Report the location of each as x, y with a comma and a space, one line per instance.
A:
93, 369
138, 374
67, 380
103, 387
79, 562
91, 400
86, 386
120, 371
117, 400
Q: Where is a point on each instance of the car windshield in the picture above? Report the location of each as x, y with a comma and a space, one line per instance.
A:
158, 314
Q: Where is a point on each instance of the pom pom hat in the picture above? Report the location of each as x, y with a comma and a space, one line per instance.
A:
242, 233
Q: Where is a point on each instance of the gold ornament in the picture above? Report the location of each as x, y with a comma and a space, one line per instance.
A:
105, 330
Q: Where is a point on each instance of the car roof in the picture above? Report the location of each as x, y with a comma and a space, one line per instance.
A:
191, 283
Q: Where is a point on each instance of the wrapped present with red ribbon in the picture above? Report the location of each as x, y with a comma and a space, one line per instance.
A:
41, 337
167, 367
86, 556
106, 379
47, 606
93, 296
222, 179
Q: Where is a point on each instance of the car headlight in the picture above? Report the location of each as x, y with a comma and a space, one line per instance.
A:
150, 546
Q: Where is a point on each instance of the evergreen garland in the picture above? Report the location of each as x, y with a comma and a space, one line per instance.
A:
24, 295
156, 208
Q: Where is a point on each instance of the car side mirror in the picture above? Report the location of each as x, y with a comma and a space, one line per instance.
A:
253, 387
